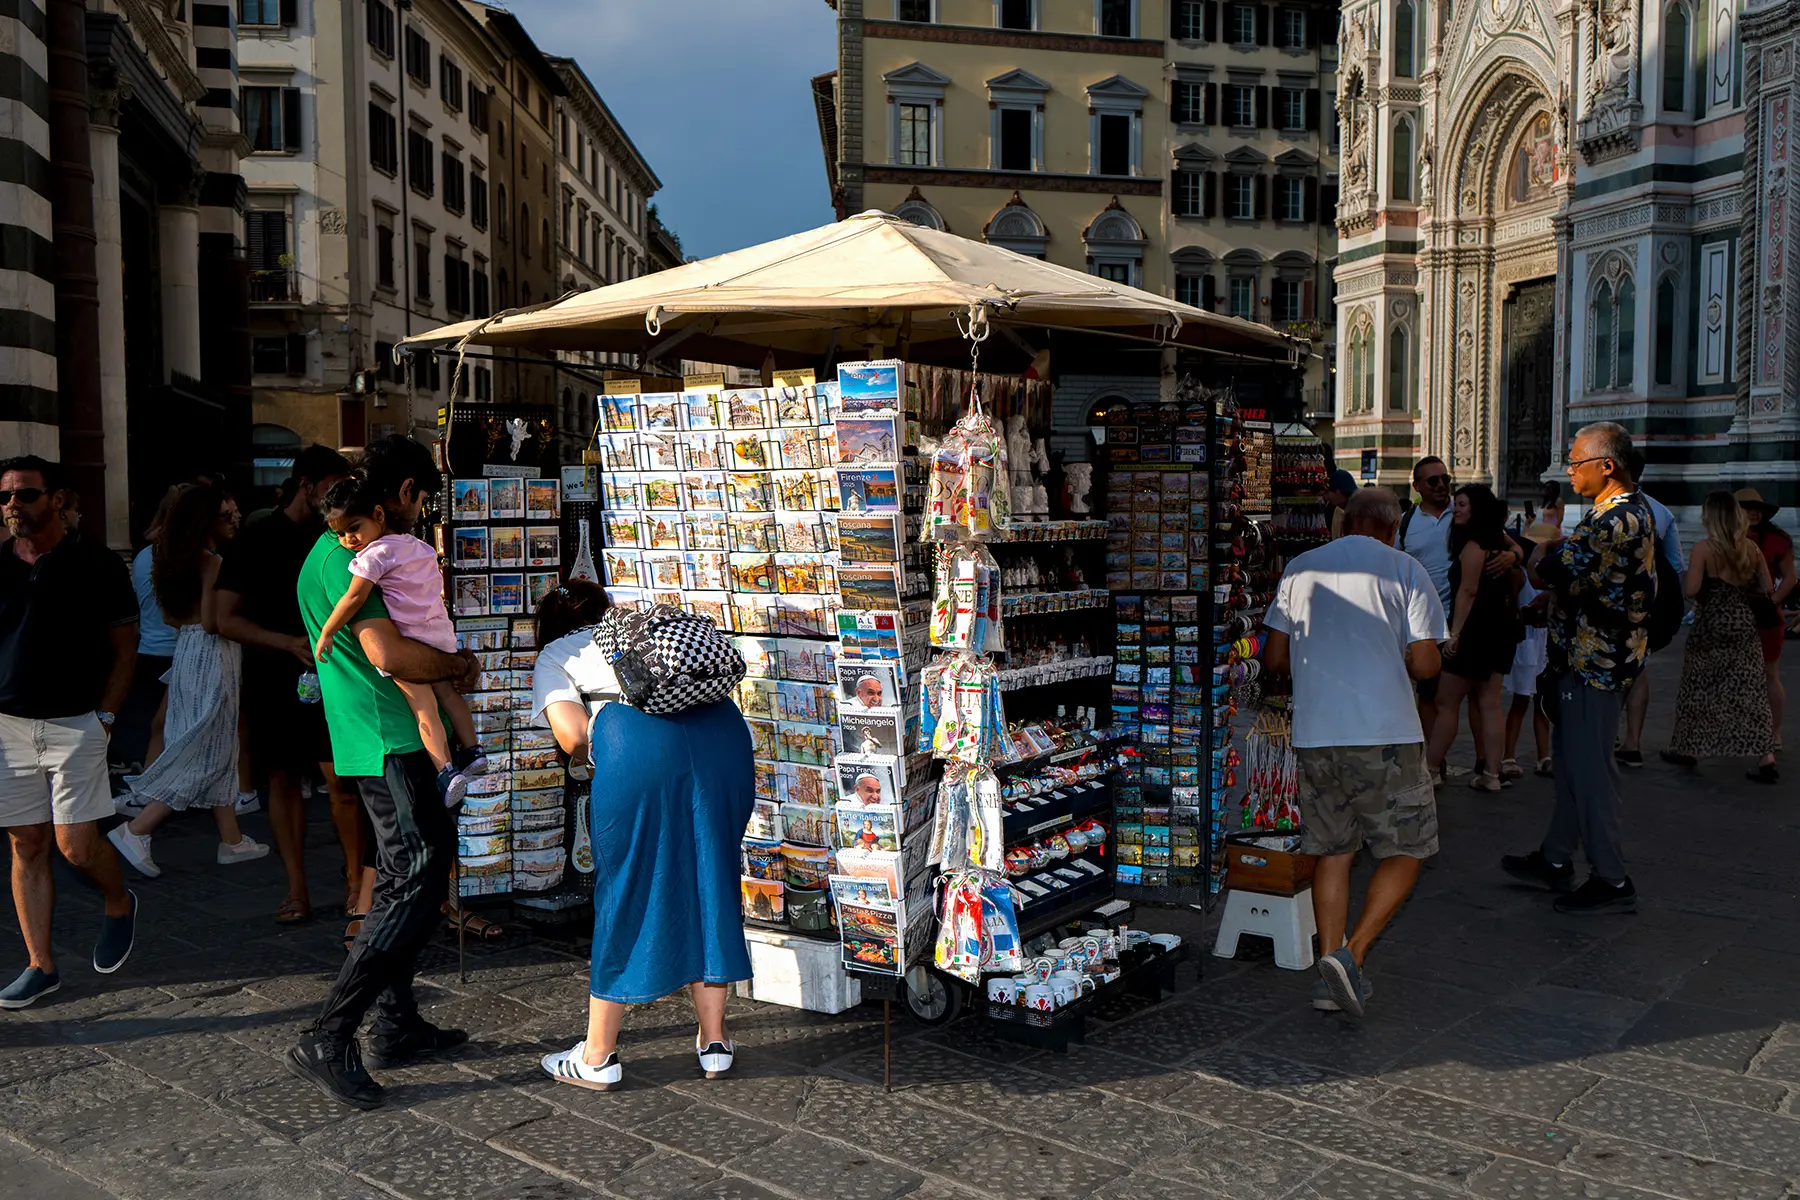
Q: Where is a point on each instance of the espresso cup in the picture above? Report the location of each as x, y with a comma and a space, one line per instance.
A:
1039, 998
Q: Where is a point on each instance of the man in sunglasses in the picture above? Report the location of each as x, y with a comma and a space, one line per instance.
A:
68, 643
1602, 583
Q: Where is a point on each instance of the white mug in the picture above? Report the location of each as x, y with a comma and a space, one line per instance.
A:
1064, 989
1039, 998
1002, 990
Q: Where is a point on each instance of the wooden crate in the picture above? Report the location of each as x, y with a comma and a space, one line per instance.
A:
1252, 868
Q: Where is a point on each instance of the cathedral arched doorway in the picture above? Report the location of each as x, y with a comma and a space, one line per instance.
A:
1496, 213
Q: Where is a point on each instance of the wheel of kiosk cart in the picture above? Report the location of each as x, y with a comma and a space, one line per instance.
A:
932, 998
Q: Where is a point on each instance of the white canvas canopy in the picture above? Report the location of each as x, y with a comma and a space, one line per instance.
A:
873, 283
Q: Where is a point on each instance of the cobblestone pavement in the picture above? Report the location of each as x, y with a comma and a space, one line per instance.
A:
1509, 1052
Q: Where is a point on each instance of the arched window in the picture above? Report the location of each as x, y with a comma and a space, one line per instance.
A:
504, 211
1675, 59
525, 228
524, 292
1403, 39
505, 285
544, 237
1665, 330
1400, 161
1601, 321
1627, 339
1398, 362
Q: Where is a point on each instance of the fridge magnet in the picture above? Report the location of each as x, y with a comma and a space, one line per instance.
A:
506, 499
506, 546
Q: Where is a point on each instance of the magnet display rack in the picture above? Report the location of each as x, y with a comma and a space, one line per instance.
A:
1161, 491
1302, 519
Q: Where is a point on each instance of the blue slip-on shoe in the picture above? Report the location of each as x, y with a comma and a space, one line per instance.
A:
31, 986
1321, 997
117, 936
1343, 979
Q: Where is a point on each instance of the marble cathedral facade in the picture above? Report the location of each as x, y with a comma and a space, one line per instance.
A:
1554, 212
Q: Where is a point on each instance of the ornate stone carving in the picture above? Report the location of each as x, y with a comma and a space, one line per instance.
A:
333, 222
1425, 169
1610, 128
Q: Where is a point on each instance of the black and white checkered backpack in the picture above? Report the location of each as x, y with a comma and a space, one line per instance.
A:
668, 661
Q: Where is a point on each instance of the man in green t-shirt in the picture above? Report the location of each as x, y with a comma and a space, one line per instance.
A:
375, 745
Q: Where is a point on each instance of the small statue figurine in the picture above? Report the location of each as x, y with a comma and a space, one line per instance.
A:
1081, 481
1018, 453
518, 430
1040, 499
1040, 457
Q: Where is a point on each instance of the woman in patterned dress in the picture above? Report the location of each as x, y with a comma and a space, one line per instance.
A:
1723, 706
198, 765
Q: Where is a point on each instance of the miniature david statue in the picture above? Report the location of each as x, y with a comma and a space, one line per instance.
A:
1018, 452
1081, 481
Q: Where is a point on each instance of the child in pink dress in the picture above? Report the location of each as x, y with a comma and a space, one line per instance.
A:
412, 586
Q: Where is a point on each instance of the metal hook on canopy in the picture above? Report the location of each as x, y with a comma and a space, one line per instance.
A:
653, 321
976, 329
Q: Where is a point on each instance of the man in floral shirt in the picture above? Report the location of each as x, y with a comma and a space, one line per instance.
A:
1602, 581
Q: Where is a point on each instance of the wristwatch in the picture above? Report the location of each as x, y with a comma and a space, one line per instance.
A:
106, 718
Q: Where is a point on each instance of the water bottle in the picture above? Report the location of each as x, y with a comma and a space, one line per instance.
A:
307, 688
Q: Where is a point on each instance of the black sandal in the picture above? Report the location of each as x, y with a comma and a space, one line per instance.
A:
1763, 773
353, 930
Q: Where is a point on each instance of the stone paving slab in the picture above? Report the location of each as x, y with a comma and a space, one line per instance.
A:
1509, 1053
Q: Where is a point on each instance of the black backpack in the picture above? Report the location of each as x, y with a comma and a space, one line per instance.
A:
1669, 605
667, 660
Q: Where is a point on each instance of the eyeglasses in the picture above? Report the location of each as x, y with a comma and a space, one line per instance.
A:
1435, 481
1580, 462
22, 495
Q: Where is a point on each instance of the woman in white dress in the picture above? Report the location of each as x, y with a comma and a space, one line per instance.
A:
198, 765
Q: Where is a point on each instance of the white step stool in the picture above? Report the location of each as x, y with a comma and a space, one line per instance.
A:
1286, 921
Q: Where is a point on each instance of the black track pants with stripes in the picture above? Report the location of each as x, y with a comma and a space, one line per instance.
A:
415, 841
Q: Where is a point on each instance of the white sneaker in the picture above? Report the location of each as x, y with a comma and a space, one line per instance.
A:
127, 805
135, 849
246, 850
715, 1057
566, 1066
248, 802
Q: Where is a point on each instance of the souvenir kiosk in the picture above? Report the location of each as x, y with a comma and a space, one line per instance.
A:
931, 652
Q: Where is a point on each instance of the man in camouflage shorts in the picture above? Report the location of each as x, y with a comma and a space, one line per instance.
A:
1356, 622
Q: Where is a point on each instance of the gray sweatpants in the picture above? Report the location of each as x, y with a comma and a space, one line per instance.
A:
1587, 779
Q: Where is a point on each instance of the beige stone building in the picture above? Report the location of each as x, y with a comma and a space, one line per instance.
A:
1175, 145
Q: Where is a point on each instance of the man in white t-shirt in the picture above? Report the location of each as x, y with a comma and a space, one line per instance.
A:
1355, 622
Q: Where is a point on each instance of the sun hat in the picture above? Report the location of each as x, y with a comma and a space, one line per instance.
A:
1751, 498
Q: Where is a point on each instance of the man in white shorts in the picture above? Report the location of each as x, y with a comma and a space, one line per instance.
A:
68, 643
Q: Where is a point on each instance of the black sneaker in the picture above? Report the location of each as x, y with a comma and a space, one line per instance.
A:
1597, 896
421, 1040
335, 1068
117, 935
1629, 758
469, 760
452, 784
1535, 868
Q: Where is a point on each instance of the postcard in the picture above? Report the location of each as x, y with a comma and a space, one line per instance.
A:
469, 500
870, 386
798, 574
743, 408
872, 731
765, 793
543, 546
539, 584
622, 567
471, 599
796, 491
868, 539
759, 698
753, 613
659, 410
702, 410
707, 531
662, 531
869, 634
753, 573
507, 594
752, 532
805, 659
618, 451
868, 441
661, 451
506, 499
802, 533
868, 489
800, 616
869, 780
800, 448
506, 546
867, 685
619, 491
715, 606
803, 743
618, 413
469, 546
705, 489
663, 569
621, 528
764, 899
706, 571
749, 491
803, 701
867, 587
749, 450
761, 656
763, 743
661, 490
868, 827
798, 783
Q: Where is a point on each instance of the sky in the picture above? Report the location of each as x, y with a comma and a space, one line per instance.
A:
716, 95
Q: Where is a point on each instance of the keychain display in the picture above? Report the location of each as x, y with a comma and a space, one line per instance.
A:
966, 601
969, 499
961, 716
1272, 799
